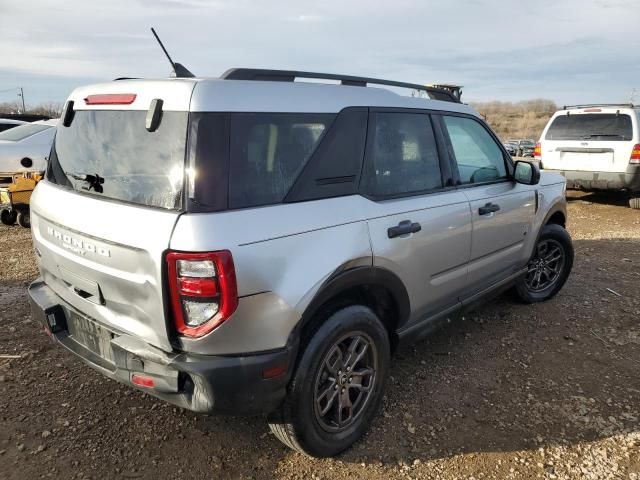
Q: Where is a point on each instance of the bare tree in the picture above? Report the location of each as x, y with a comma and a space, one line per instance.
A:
525, 119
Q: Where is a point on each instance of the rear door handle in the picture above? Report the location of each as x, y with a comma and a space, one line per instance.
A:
488, 208
403, 228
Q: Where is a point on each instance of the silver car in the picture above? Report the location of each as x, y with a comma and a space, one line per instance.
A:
25, 148
253, 245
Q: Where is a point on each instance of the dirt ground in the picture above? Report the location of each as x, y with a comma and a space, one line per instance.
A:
513, 391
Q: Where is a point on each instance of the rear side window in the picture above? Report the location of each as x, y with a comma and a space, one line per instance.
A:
267, 153
402, 157
591, 126
477, 154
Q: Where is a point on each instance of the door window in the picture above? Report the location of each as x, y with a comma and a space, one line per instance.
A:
403, 158
478, 156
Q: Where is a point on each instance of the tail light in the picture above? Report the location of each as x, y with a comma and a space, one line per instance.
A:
635, 154
537, 152
203, 290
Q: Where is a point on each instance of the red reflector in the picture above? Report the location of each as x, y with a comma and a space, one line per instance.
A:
274, 371
110, 99
142, 381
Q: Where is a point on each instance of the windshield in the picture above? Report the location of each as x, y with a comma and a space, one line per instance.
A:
592, 127
23, 131
111, 154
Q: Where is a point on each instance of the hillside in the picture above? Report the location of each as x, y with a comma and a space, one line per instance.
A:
524, 119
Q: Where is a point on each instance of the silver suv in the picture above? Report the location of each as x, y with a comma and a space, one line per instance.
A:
254, 245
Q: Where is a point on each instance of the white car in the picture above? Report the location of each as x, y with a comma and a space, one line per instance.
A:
8, 123
25, 149
596, 147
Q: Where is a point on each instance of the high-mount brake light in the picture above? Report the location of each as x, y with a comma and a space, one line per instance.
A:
635, 155
110, 99
537, 152
203, 290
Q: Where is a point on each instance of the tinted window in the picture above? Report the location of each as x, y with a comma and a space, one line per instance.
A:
132, 164
21, 132
591, 126
268, 152
478, 156
403, 157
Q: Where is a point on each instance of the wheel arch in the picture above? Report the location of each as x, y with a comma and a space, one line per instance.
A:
375, 287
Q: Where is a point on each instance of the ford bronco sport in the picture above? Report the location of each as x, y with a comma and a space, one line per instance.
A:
254, 245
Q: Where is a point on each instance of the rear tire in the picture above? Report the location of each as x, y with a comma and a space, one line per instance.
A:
8, 217
24, 219
338, 385
549, 267
634, 202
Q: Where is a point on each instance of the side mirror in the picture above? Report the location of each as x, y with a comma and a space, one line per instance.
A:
527, 173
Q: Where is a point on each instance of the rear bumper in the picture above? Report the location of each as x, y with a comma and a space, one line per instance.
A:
201, 383
629, 180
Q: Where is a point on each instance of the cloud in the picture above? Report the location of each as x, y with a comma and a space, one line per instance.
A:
568, 51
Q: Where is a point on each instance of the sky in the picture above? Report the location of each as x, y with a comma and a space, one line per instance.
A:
569, 51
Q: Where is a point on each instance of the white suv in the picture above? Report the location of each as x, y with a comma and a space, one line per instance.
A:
596, 147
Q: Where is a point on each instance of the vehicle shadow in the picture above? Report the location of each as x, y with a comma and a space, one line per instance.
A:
620, 199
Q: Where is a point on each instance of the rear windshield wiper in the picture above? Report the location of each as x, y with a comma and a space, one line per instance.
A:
95, 181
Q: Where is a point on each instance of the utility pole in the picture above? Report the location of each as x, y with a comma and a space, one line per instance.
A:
21, 95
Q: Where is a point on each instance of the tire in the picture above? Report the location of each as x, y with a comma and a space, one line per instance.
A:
8, 217
299, 422
554, 241
24, 218
634, 202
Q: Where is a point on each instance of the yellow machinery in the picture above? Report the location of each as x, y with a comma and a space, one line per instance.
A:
14, 200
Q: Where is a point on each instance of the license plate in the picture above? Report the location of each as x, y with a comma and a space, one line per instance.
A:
91, 335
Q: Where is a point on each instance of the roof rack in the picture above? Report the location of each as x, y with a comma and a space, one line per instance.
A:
588, 105
291, 75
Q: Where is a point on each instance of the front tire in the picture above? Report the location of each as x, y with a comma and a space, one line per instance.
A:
338, 385
549, 266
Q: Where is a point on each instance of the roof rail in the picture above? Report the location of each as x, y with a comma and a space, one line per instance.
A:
291, 75
587, 105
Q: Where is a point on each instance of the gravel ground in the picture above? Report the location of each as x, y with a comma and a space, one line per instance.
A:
512, 391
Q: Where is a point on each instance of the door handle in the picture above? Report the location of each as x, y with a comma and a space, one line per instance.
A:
488, 208
403, 228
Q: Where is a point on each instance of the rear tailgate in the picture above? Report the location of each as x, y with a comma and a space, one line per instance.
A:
590, 141
104, 258
104, 216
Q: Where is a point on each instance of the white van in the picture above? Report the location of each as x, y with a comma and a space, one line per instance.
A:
596, 147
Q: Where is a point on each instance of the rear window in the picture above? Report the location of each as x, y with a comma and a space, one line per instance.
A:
267, 153
22, 131
592, 127
111, 154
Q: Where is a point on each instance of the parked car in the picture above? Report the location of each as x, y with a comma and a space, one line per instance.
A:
25, 148
526, 148
511, 148
596, 147
7, 123
313, 229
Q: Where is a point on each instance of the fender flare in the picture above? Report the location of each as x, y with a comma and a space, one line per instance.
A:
357, 277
